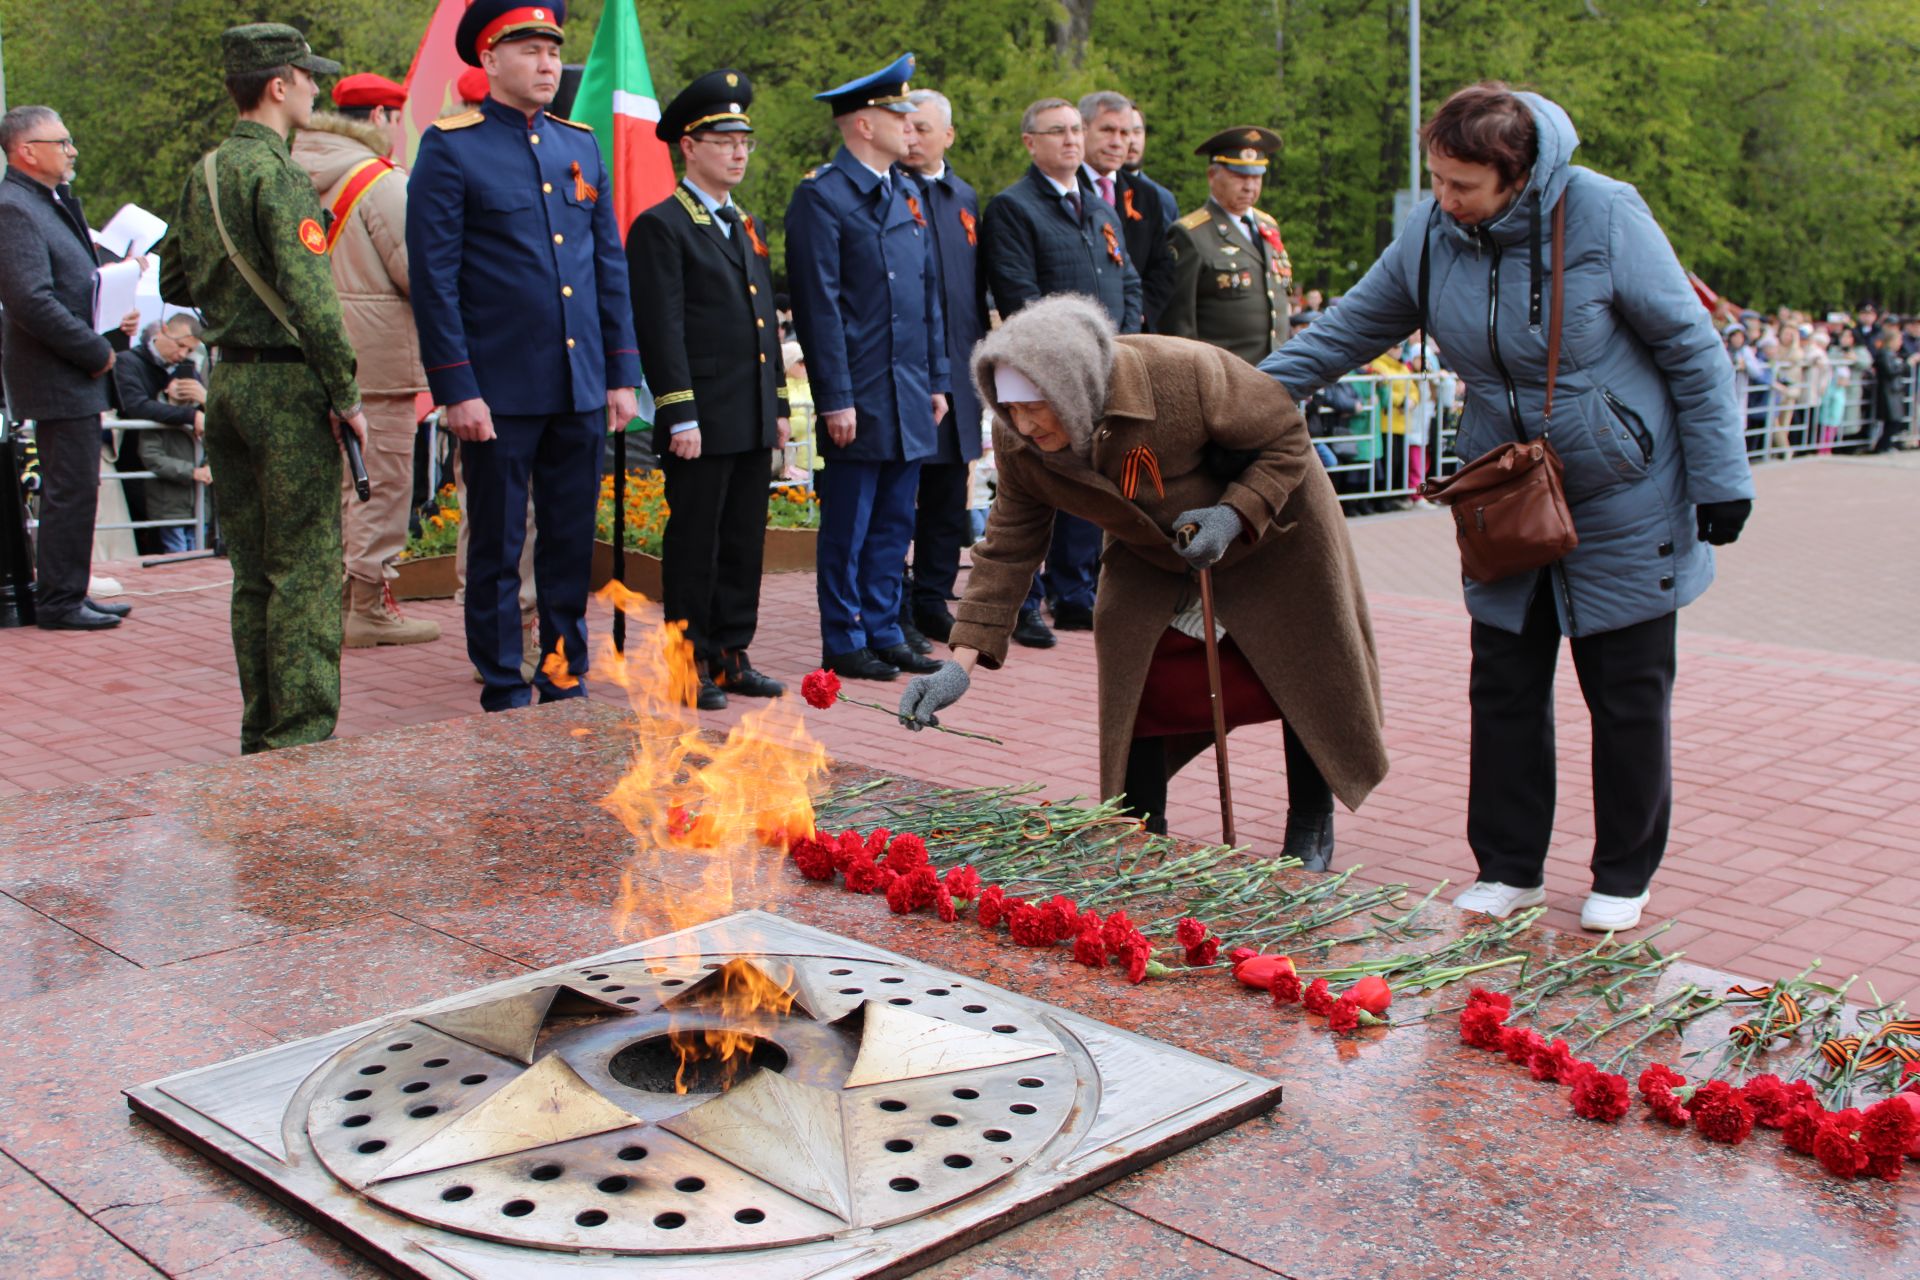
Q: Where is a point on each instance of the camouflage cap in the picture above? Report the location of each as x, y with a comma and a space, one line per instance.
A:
261, 46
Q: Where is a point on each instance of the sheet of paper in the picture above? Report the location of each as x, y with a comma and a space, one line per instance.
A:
131, 231
115, 294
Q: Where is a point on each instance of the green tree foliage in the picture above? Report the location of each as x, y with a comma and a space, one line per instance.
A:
1775, 140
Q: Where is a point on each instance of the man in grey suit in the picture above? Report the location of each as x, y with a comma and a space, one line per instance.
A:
55, 365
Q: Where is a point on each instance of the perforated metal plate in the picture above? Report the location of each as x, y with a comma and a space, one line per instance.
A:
905, 1112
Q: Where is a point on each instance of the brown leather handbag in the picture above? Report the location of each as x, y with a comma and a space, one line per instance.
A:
1509, 505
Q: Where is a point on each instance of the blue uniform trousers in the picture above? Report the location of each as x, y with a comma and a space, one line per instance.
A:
1073, 564
557, 458
866, 522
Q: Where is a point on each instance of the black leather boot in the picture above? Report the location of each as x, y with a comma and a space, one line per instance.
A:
1310, 839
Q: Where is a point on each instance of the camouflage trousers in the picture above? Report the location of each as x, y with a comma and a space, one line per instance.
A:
276, 475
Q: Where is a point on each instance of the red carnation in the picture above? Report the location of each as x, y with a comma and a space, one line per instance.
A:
1723, 1117
962, 883
1089, 950
1286, 986
992, 908
1661, 1077
1205, 953
863, 876
1803, 1124
1318, 998
1032, 926
926, 886
1601, 1095
1836, 1150
1481, 1025
1551, 1062
847, 846
1912, 1101
1134, 956
1063, 916
943, 906
877, 841
1189, 932
1498, 999
820, 688
1115, 930
1372, 994
1884, 1167
1520, 1043
1889, 1128
1344, 1015
1768, 1096
814, 859
1260, 971
1666, 1105
900, 895
1090, 919
907, 852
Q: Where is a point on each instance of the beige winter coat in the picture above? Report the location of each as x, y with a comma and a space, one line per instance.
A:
370, 255
1289, 592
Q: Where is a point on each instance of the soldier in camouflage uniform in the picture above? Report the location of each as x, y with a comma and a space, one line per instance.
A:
1231, 274
276, 465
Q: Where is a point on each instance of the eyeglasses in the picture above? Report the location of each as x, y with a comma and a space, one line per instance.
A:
1070, 130
730, 141
65, 144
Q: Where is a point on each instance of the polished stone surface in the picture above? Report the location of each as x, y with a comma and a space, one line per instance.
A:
183, 918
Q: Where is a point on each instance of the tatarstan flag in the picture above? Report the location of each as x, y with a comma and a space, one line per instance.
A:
616, 98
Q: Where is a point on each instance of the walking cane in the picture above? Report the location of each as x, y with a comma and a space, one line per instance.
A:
1183, 537
620, 533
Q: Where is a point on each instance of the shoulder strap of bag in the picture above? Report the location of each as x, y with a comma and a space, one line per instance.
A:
262, 290
1553, 319
1426, 242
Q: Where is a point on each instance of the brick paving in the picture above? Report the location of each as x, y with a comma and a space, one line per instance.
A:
1797, 722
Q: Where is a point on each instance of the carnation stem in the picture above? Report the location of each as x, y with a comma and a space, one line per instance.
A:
938, 728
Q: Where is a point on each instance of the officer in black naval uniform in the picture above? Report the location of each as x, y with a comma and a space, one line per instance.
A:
710, 345
1231, 273
526, 331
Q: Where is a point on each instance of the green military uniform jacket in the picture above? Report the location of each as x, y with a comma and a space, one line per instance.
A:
1228, 289
270, 210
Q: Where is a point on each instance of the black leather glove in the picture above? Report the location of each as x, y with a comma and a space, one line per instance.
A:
1215, 528
930, 693
1721, 522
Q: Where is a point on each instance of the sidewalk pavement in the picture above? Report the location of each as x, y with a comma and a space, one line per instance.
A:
1796, 829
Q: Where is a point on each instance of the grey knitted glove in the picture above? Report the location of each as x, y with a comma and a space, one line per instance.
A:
1218, 527
930, 693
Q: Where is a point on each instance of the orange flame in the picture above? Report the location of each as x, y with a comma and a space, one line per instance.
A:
710, 820
746, 993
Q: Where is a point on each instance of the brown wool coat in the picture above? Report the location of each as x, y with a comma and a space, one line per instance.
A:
1289, 593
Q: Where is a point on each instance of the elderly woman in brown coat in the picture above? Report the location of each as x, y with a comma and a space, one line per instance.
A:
1144, 436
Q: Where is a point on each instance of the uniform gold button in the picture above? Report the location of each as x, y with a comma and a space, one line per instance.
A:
759, 324
569, 343
546, 188
753, 288
558, 238
763, 357
534, 138
566, 291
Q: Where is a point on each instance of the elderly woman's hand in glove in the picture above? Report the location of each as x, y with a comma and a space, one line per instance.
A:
930, 693
1214, 529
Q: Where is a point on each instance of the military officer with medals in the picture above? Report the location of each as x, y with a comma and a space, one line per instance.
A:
520, 297
865, 283
1231, 273
710, 345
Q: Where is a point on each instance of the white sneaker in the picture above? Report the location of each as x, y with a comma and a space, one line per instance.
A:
1605, 913
1490, 897
103, 587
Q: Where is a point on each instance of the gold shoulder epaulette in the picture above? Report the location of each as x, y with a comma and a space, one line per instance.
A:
574, 123
464, 120
1196, 218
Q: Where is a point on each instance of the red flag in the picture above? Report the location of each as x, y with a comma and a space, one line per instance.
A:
430, 80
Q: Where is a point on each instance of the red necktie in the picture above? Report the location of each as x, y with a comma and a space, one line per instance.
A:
1106, 189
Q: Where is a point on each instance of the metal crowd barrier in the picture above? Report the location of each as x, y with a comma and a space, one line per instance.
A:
197, 522
1798, 412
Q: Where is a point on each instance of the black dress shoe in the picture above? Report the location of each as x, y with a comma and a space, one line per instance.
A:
78, 618
1072, 617
749, 683
914, 639
1031, 631
711, 697
861, 664
903, 657
1310, 839
935, 625
113, 608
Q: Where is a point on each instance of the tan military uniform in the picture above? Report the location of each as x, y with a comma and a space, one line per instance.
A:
1229, 288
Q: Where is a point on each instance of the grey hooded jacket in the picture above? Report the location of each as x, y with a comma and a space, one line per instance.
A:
1644, 417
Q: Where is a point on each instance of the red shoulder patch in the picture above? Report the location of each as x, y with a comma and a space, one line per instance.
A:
312, 236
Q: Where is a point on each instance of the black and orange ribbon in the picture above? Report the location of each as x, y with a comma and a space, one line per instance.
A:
1113, 243
1787, 1015
1867, 1055
967, 221
1140, 458
1126, 205
583, 191
753, 235
913, 207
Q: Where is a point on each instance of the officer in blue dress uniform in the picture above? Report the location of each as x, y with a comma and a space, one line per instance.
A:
520, 296
952, 209
866, 303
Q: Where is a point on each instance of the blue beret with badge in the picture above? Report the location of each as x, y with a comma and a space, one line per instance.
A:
886, 88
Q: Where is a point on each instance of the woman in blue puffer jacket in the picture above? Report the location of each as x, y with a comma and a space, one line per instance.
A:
1645, 420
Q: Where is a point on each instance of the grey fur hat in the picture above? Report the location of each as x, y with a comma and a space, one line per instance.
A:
1064, 346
